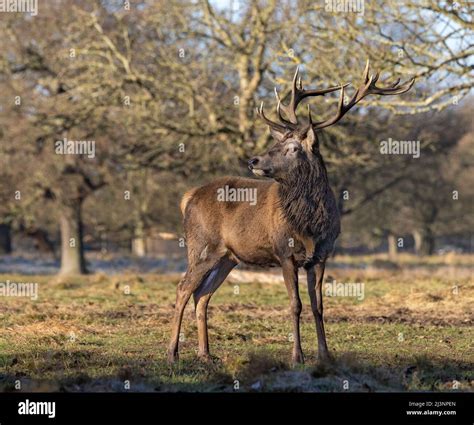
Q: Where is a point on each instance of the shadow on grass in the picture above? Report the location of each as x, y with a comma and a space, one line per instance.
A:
89, 371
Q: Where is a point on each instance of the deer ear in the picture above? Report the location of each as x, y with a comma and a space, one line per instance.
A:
277, 134
311, 143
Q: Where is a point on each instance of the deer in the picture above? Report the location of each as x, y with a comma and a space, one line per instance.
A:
294, 223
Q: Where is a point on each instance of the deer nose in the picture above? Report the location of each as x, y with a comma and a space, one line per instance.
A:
252, 162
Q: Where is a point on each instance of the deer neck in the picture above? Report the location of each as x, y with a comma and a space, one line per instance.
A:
306, 199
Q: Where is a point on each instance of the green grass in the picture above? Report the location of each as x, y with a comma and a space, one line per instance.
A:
410, 332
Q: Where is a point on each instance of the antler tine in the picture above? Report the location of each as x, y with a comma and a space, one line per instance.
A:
366, 71
369, 87
290, 109
394, 88
341, 110
295, 77
269, 122
395, 82
280, 116
310, 120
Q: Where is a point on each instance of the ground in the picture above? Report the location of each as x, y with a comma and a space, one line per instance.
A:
413, 330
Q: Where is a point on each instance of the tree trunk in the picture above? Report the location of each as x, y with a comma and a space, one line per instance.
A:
418, 241
139, 240
72, 248
424, 241
392, 246
249, 82
5, 239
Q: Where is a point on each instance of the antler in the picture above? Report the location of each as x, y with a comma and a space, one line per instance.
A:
271, 123
297, 95
367, 88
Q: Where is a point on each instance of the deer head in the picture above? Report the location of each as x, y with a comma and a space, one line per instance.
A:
296, 143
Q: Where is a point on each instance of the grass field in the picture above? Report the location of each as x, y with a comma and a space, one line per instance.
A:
412, 331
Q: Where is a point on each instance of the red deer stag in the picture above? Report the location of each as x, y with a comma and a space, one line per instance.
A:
294, 222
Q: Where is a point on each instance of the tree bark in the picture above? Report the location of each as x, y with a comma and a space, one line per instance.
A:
392, 246
139, 240
72, 247
424, 241
5, 239
418, 241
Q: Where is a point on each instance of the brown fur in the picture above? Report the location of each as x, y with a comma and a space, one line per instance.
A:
186, 198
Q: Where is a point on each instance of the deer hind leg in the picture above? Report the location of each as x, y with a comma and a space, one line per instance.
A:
290, 274
196, 273
315, 282
203, 294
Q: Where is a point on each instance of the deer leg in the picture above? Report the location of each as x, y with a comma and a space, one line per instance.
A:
202, 296
188, 284
290, 274
315, 282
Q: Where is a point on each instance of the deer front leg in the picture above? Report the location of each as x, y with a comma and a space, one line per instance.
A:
290, 274
315, 281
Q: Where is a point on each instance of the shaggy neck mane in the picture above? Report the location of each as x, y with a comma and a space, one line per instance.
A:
305, 198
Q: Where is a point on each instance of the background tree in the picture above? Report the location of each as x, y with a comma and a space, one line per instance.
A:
167, 92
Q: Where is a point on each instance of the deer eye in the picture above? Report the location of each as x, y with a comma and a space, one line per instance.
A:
291, 149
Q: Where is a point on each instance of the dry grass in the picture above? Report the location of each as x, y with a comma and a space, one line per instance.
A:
412, 331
